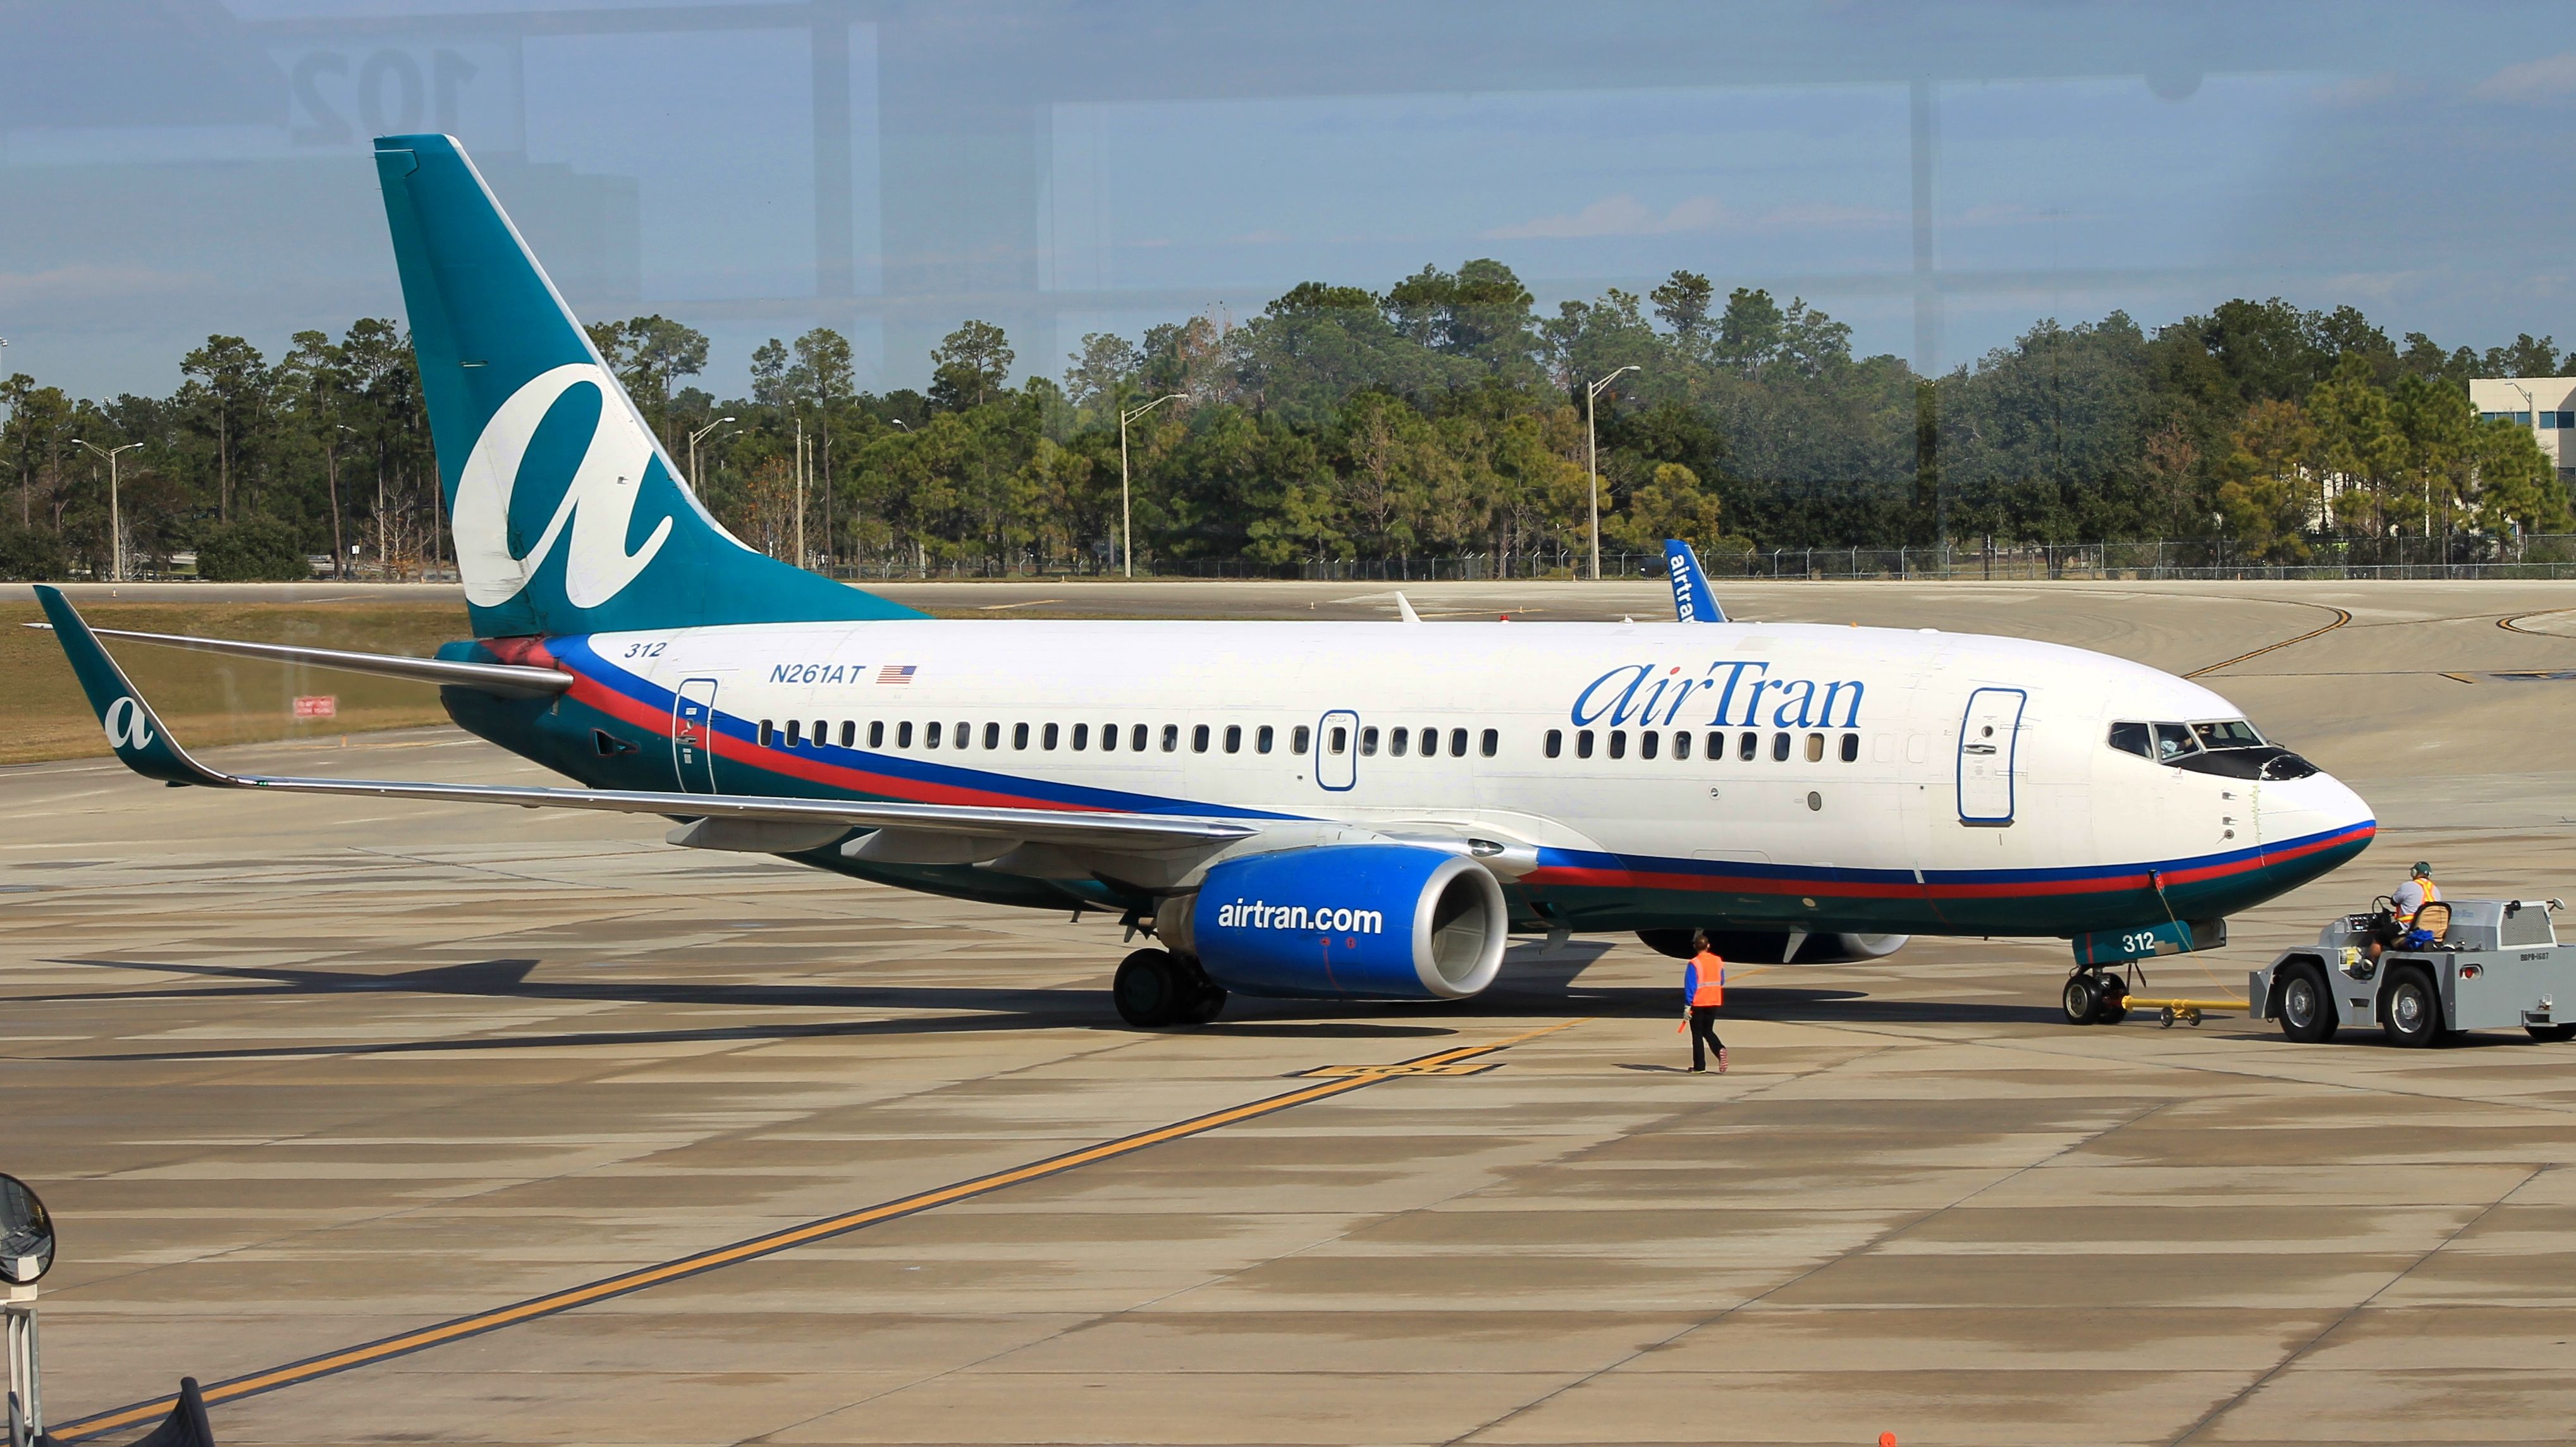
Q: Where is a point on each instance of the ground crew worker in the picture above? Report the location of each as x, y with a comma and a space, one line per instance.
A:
1703, 990
2418, 891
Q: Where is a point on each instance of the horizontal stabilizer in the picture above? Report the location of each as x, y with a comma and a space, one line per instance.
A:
509, 680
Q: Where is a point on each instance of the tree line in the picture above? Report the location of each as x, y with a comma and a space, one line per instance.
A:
1445, 415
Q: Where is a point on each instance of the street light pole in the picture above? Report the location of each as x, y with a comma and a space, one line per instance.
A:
115, 511
1592, 455
1126, 516
693, 448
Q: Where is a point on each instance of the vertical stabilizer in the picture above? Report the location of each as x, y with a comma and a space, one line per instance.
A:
569, 517
1692, 600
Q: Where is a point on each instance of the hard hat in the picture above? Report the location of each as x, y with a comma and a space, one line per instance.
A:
2421, 868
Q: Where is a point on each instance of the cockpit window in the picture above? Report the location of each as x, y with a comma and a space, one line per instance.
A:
2234, 733
2173, 741
2134, 738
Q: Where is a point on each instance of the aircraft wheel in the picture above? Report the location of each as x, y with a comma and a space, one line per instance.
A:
1201, 999
1148, 990
2080, 1000
2413, 1015
2551, 1034
2306, 1011
2110, 1001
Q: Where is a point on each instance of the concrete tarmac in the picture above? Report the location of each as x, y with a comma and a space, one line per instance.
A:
301, 1074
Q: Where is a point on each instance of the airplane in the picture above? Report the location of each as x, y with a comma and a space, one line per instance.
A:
1308, 810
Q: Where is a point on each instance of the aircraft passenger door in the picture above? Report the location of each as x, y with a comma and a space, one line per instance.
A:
693, 718
1986, 735
1337, 750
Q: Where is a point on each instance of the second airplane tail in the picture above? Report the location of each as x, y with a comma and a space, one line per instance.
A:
568, 515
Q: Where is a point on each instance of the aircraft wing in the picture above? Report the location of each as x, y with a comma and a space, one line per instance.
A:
1692, 600
145, 745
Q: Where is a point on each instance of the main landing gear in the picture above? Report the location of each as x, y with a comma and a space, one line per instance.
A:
2095, 998
1155, 988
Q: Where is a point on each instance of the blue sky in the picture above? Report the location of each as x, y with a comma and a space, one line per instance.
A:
1062, 169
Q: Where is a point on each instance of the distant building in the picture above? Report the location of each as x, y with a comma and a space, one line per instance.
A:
2546, 405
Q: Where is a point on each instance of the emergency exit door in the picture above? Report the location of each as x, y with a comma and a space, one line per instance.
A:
1986, 735
693, 756
1337, 750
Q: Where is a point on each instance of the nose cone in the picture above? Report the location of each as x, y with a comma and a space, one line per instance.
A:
2311, 825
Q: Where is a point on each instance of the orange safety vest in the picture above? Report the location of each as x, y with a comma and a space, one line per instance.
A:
2432, 895
1704, 979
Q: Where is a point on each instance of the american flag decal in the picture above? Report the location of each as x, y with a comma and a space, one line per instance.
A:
897, 673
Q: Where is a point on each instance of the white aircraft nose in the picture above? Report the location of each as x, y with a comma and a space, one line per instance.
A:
2306, 809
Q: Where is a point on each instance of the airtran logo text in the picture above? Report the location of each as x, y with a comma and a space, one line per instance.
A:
127, 725
1257, 915
596, 508
1732, 692
1683, 608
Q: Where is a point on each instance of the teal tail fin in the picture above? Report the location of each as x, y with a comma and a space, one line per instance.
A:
569, 518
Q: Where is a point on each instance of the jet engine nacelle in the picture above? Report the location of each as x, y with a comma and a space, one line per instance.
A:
1777, 947
1350, 922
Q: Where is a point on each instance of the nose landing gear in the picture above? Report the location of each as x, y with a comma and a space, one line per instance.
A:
2092, 997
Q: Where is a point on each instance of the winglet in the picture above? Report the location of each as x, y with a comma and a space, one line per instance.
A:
1692, 601
138, 737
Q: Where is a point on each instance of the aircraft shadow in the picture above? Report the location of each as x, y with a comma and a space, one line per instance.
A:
1546, 988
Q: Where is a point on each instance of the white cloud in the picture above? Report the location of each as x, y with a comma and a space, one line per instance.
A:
2532, 80
1620, 215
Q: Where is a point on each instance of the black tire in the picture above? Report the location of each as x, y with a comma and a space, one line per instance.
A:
1148, 990
2080, 1000
2305, 1009
2411, 1013
2551, 1034
1205, 1006
2111, 1001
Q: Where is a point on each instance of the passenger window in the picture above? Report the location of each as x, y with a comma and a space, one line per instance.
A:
822, 732
902, 734
1081, 737
1555, 741
1749, 747
1779, 748
2172, 741
876, 733
1431, 744
795, 732
1716, 747
930, 737
1395, 741
849, 733
1234, 738
1297, 741
1681, 745
1199, 739
965, 735
1109, 738
1583, 743
1019, 736
1494, 740
1618, 743
1851, 748
1136, 739
2134, 738
992, 736
1368, 742
1171, 738
1815, 748
1261, 739
1647, 741
1047, 737
767, 733
1340, 739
